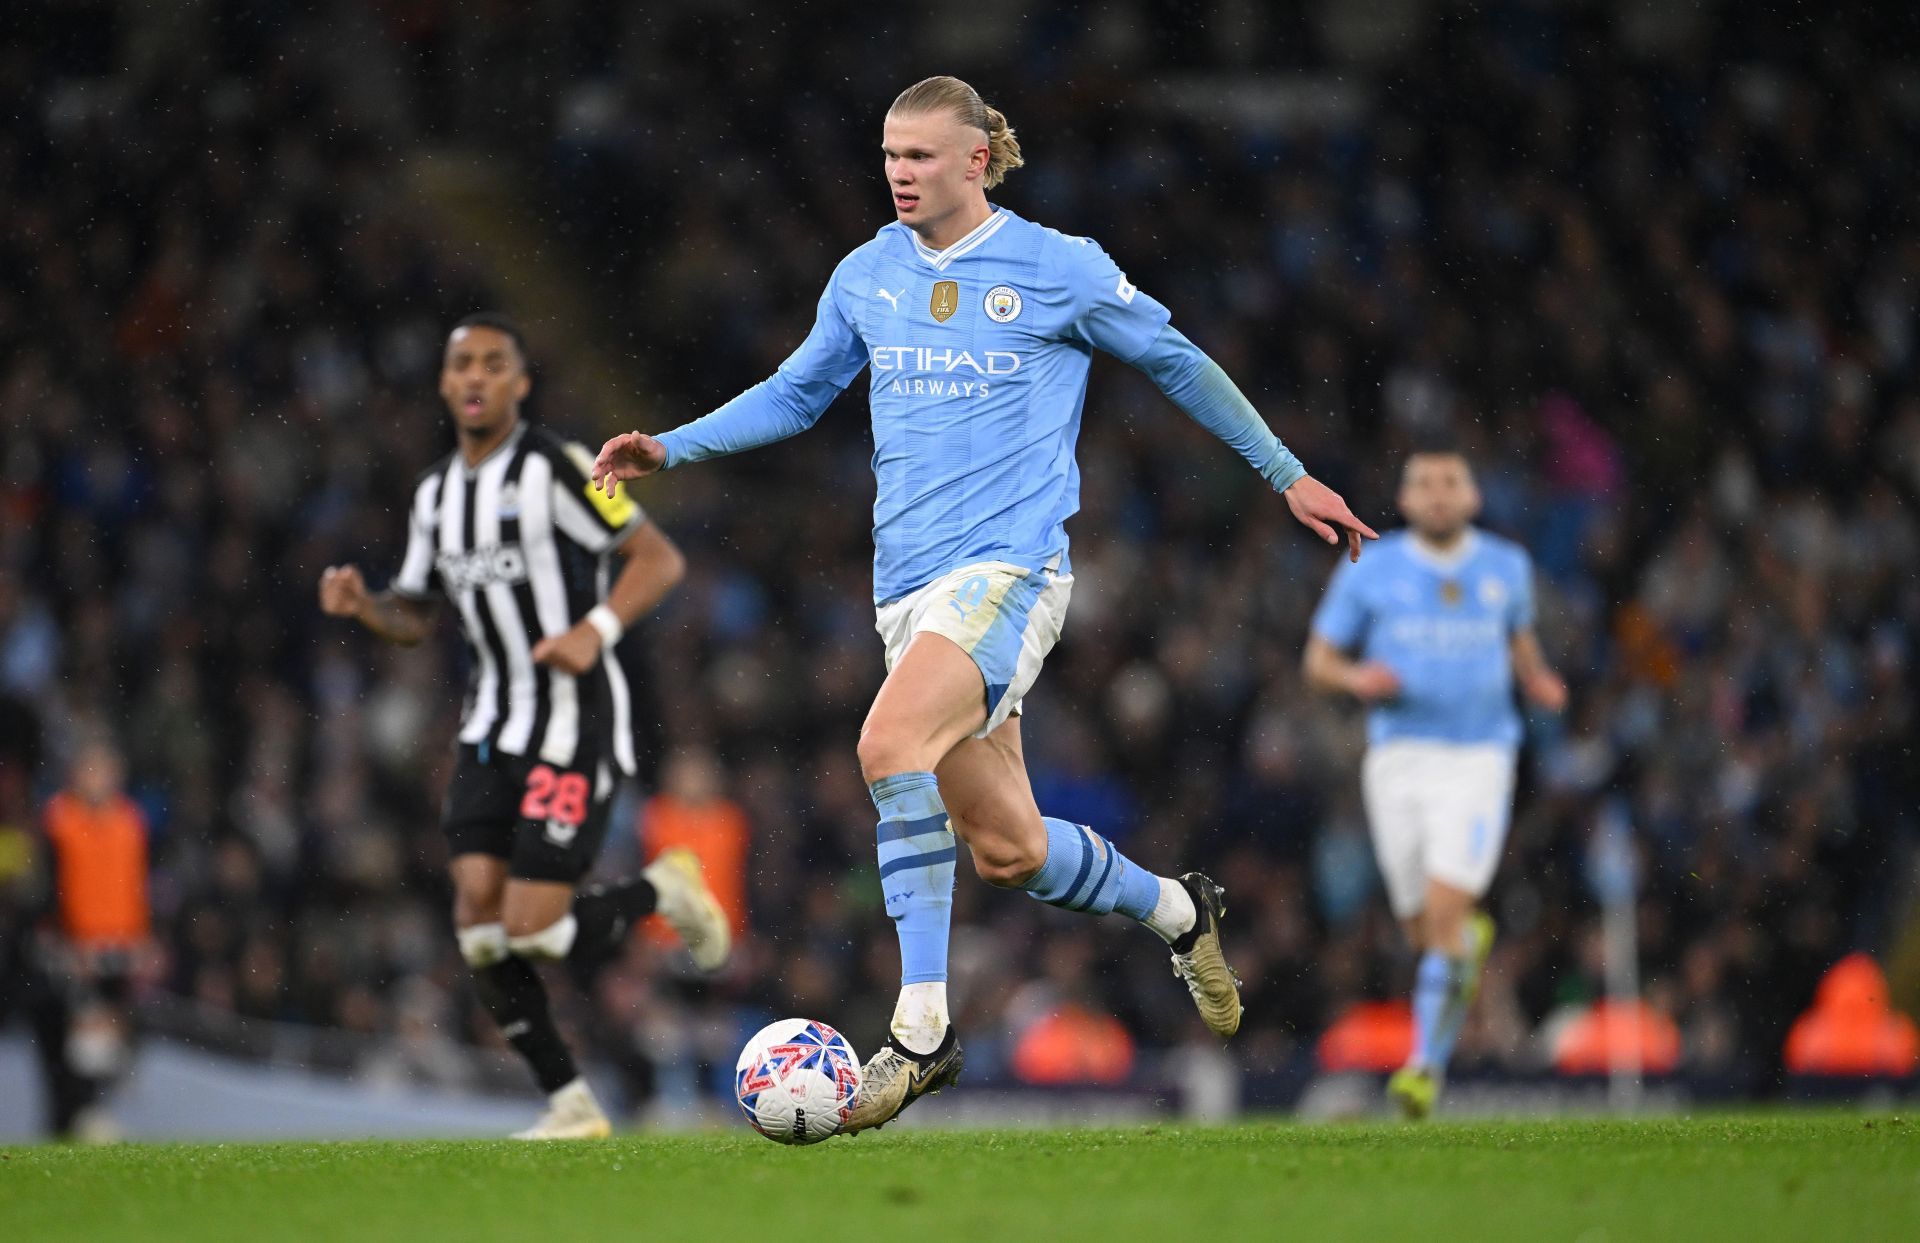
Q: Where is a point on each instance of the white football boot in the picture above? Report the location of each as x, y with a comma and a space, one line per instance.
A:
573, 1112
687, 904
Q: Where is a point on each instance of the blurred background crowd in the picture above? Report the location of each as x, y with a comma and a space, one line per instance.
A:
1657, 271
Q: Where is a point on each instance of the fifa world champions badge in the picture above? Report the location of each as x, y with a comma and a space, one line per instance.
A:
945, 300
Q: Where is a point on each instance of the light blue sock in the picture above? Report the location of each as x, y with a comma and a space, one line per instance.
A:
1439, 1010
1084, 872
916, 871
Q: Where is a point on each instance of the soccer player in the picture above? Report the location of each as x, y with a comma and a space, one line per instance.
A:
1433, 632
508, 528
978, 328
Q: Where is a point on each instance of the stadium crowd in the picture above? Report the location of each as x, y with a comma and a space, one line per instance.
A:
1662, 287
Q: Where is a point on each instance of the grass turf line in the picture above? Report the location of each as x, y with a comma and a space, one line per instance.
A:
1735, 1177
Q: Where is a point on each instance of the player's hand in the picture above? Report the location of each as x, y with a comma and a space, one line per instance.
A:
1373, 682
575, 652
343, 593
1326, 515
1545, 690
632, 456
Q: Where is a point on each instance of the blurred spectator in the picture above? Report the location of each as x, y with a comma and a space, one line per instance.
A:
96, 943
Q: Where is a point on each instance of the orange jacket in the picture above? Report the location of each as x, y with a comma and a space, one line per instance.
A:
100, 869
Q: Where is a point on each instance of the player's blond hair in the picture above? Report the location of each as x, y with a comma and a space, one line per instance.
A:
963, 104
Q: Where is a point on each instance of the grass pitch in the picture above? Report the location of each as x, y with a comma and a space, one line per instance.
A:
1746, 1178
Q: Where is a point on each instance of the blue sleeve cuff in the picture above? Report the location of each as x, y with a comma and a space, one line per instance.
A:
675, 454
1285, 469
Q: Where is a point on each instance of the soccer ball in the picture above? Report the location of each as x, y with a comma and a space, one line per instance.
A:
796, 1080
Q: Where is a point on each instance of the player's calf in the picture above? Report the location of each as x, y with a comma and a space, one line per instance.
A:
1085, 872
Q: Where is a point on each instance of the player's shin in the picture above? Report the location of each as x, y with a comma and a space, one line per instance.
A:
1439, 1010
511, 991
916, 851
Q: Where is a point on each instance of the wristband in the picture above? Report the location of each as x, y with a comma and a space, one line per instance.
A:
602, 618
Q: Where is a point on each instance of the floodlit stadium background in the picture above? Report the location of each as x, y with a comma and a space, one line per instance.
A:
1659, 270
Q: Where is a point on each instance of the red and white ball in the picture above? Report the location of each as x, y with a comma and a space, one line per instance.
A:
796, 1081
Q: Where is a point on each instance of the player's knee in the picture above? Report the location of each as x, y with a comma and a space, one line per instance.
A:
482, 945
882, 754
553, 941
475, 903
1444, 930
1005, 862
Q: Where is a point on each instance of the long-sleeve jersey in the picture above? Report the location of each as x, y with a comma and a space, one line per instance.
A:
978, 357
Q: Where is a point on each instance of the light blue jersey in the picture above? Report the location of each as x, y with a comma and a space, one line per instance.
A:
979, 356
1443, 627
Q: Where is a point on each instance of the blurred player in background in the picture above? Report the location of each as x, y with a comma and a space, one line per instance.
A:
96, 943
978, 328
510, 531
1432, 632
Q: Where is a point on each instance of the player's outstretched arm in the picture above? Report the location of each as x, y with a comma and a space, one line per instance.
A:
654, 566
1198, 386
785, 404
397, 619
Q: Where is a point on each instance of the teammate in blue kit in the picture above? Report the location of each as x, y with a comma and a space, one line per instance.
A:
977, 328
1441, 620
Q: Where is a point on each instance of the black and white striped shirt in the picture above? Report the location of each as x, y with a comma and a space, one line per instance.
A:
519, 545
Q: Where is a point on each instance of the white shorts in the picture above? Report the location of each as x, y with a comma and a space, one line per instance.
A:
1437, 811
1003, 616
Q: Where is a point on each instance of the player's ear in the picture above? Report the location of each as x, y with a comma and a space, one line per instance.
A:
522, 385
977, 161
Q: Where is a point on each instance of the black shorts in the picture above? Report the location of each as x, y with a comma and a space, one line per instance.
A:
543, 820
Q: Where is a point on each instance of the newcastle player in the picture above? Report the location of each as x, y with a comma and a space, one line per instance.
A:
509, 530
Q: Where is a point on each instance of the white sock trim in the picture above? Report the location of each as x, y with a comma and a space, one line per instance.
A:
482, 945
920, 1017
552, 941
1173, 915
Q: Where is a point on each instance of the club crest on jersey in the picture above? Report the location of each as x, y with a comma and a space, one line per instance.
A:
945, 300
1493, 592
1003, 304
509, 499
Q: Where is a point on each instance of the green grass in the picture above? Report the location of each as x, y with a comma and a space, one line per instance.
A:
1788, 1176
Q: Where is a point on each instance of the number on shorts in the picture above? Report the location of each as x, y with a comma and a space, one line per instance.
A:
555, 796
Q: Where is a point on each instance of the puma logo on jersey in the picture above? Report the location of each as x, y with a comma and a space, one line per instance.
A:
893, 299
